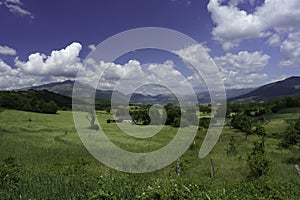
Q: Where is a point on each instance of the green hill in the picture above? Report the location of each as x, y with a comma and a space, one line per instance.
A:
42, 101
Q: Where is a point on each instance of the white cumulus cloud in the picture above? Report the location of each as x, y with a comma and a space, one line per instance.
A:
242, 70
5, 50
244, 60
64, 62
290, 50
234, 25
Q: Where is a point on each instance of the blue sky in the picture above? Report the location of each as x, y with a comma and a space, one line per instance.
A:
252, 42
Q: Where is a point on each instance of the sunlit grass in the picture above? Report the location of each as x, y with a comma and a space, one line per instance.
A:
50, 144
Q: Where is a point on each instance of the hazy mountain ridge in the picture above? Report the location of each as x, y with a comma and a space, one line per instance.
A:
66, 88
289, 86
286, 87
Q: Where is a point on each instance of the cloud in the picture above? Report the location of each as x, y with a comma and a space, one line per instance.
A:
5, 50
242, 70
5, 69
290, 50
41, 69
234, 25
133, 76
274, 40
12, 78
64, 62
197, 57
246, 61
92, 47
15, 6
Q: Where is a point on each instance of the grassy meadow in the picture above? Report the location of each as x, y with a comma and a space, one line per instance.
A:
42, 157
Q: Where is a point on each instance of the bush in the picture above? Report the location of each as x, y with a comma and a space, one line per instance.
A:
258, 163
231, 149
204, 122
290, 138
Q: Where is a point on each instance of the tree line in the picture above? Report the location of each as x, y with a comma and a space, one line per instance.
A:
34, 101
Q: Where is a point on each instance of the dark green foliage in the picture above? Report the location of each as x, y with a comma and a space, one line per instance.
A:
34, 101
141, 115
172, 112
232, 146
291, 135
204, 122
242, 123
205, 109
260, 130
258, 163
72, 182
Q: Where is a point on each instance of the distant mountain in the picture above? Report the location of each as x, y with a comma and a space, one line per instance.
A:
204, 97
287, 87
137, 98
66, 88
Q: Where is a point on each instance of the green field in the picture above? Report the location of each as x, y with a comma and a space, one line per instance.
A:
42, 157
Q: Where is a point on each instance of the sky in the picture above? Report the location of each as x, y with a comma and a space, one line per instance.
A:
251, 42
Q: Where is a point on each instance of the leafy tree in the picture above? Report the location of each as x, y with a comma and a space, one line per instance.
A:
260, 130
242, 123
290, 137
257, 161
155, 116
205, 109
172, 112
204, 122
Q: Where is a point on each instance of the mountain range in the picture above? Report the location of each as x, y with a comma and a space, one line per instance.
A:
66, 88
289, 86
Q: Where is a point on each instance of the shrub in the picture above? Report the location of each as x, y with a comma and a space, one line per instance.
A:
258, 163
231, 148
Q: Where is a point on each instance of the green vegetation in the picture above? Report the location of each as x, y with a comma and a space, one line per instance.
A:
34, 101
258, 163
42, 157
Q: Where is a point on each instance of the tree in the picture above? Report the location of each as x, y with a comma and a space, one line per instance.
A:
172, 112
156, 118
91, 116
260, 130
204, 122
242, 123
291, 135
49, 108
258, 163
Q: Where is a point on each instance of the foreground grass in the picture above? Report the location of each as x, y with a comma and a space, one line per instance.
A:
48, 161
